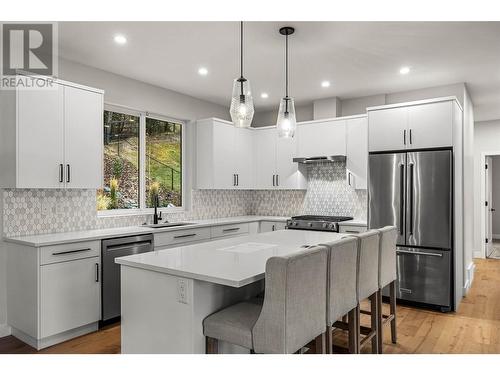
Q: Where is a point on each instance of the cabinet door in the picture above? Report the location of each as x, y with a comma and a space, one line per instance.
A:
387, 129
69, 295
244, 158
287, 172
265, 158
40, 137
223, 156
430, 125
321, 138
83, 143
357, 152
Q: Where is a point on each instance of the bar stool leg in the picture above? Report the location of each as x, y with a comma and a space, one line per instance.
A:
392, 298
374, 321
353, 324
329, 340
211, 346
320, 343
380, 332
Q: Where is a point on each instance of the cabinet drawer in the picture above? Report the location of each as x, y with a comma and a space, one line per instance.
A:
351, 229
70, 251
181, 236
229, 230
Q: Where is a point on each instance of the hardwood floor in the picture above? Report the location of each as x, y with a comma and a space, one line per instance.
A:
475, 328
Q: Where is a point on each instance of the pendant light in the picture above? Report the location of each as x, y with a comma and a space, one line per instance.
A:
286, 123
241, 101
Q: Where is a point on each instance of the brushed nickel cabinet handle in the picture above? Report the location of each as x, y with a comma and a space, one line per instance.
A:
71, 251
185, 235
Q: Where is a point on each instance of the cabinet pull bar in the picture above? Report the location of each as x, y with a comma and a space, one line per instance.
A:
274, 176
97, 272
237, 180
277, 180
230, 229
410, 137
185, 235
404, 137
61, 173
71, 251
68, 170
351, 231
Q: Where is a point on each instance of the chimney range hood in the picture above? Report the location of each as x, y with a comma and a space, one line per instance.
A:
318, 159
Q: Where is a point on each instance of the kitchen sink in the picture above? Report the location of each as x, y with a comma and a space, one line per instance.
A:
166, 225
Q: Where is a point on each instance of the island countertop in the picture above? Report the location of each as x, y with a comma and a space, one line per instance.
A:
234, 262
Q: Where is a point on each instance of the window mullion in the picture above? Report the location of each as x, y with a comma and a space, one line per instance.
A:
142, 161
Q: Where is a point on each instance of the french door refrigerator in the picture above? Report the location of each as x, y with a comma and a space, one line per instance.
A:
414, 192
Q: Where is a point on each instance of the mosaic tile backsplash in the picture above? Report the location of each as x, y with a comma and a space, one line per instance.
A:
38, 211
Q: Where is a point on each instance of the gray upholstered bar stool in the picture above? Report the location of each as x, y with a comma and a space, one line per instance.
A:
368, 256
293, 312
387, 277
342, 296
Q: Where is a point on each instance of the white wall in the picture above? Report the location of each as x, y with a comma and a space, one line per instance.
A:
139, 95
327, 108
357, 106
4, 329
496, 196
486, 141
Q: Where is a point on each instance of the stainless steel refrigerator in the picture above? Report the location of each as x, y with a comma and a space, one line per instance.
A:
414, 192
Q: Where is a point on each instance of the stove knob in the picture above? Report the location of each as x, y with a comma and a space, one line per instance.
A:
331, 226
310, 224
325, 225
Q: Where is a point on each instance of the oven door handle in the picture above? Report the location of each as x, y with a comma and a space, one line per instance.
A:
419, 253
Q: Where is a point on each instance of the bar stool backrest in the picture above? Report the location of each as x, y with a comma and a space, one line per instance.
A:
294, 309
342, 278
368, 255
387, 266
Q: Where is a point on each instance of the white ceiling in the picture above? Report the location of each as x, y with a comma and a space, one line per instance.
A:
359, 58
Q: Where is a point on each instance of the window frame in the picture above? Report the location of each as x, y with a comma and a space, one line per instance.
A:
143, 210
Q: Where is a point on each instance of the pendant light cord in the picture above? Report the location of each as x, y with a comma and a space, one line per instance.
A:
241, 49
286, 65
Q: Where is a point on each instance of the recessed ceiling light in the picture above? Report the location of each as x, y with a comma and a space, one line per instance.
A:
264, 95
404, 70
325, 84
120, 39
203, 71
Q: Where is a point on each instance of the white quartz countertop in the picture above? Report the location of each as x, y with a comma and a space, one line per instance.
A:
234, 262
355, 222
99, 234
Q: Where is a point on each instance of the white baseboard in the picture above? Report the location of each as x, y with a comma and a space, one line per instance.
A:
470, 277
478, 254
5, 330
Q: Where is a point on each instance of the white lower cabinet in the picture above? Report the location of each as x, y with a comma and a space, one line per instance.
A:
271, 226
69, 295
53, 292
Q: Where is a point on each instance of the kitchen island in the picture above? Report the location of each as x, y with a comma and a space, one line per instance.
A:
165, 295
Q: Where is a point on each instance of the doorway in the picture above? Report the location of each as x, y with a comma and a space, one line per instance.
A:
492, 199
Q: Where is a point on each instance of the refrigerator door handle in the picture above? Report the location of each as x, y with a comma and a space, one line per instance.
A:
410, 226
401, 197
419, 253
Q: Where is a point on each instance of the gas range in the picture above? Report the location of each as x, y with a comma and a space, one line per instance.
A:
314, 222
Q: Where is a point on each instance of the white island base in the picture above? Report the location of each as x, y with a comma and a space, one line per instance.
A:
154, 320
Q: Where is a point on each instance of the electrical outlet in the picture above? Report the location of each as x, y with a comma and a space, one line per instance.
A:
46, 209
182, 292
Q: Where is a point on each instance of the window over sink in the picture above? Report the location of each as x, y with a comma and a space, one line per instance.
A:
141, 151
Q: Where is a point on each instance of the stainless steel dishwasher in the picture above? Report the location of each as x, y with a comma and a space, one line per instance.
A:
111, 249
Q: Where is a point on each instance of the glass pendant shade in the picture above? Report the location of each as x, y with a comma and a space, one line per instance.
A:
286, 124
241, 104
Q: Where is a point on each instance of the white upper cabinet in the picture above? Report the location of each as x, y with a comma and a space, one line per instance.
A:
83, 140
265, 158
224, 156
431, 125
289, 175
357, 152
40, 132
412, 126
387, 129
321, 138
51, 137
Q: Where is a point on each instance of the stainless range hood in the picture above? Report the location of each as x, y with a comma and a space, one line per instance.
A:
318, 159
